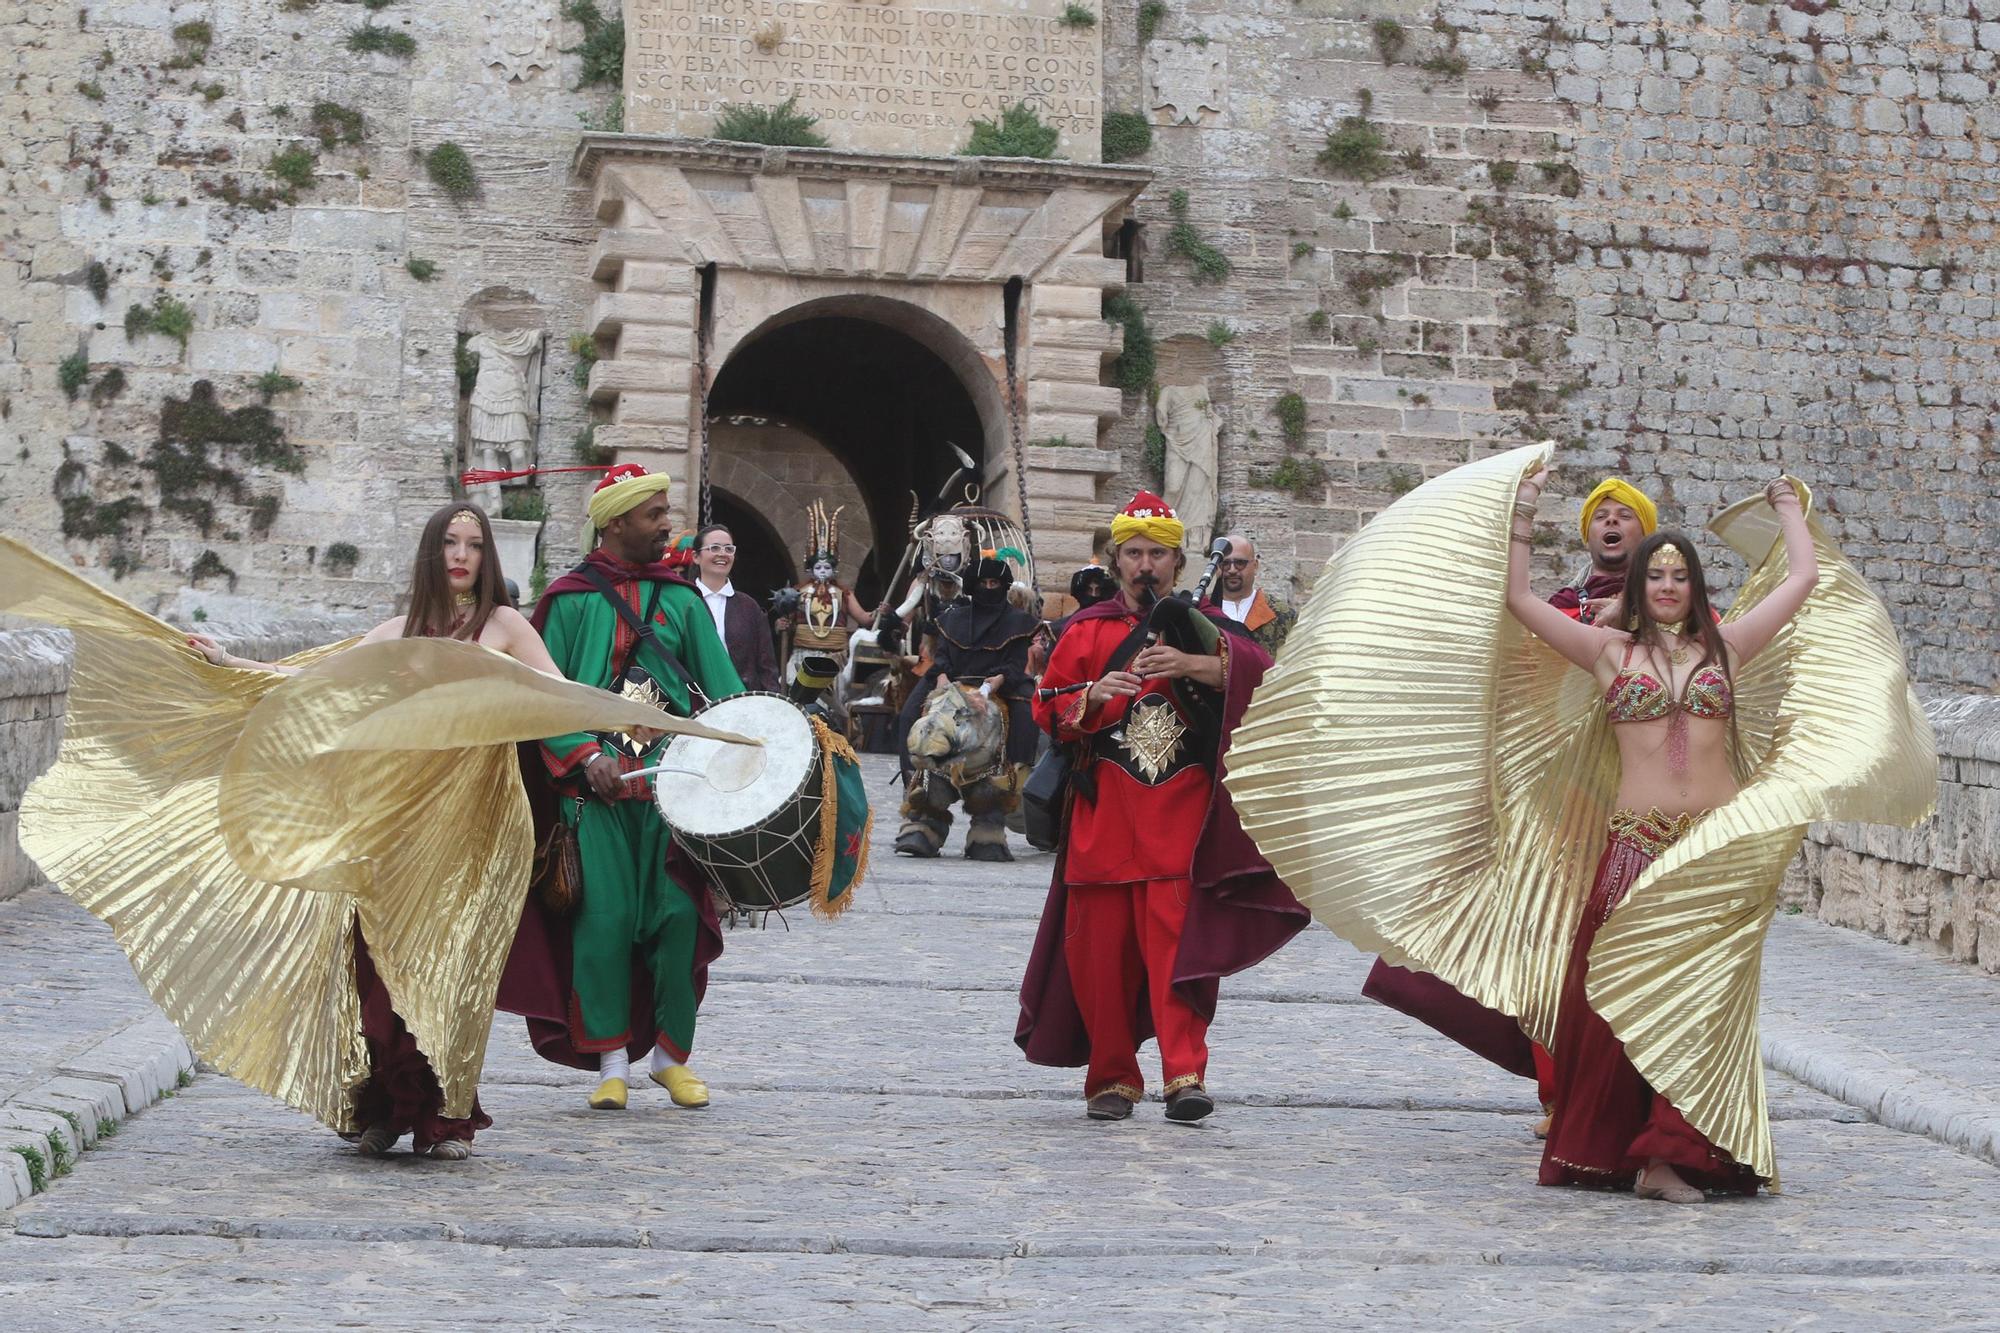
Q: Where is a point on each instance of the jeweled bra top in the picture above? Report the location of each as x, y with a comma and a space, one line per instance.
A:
1635, 696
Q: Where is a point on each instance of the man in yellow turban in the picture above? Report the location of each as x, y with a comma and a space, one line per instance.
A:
625, 976
1616, 516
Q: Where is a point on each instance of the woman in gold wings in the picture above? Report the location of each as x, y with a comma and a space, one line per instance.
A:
1595, 852
315, 866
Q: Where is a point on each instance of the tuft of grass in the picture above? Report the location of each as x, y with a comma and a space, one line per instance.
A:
423, 270
1390, 38
1487, 100
1219, 333
1020, 132
191, 43
333, 124
166, 316
371, 40
584, 348
98, 279
611, 120
91, 88
295, 166
1301, 249
271, 383
1354, 149
450, 169
1303, 477
783, 125
1342, 211
1185, 240
61, 1159
1150, 14
38, 1168
1564, 176
72, 373
602, 47
341, 558
1077, 16
1126, 135
1502, 173
590, 452
108, 1128
1290, 409
1137, 363
1448, 64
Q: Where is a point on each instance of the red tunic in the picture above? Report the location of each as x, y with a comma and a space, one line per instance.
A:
1131, 831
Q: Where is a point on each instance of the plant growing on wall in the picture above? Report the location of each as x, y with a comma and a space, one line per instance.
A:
98, 279
1290, 409
1355, 148
191, 43
1126, 135
371, 40
466, 362
611, 120
1077, 16
1150, 14
584, 348
450, 169
1135, 365
341, 558
783, 125
294, 166
423, 270
165, 316
72, 373
1020, 132
1185, 240
602, 47
208, 565
333, 124
1389, 38
202, 447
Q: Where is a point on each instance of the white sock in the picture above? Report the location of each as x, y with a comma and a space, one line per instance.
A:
614, 1064
659, 1061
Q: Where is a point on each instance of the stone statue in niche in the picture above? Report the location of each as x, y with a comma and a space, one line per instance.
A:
501, 416
520, 38
1184, 79
1188, 422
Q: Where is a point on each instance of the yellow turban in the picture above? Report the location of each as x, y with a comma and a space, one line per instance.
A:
1150, 517
1625, 493
623, 489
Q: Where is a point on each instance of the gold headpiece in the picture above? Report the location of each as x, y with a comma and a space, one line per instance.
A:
1667, 556
472, 514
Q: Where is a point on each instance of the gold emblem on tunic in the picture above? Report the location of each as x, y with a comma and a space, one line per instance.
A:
1153, 733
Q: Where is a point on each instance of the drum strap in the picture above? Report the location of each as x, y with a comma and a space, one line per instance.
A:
642, 631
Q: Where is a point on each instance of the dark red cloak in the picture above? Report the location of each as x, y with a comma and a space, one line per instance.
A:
536, 982
1239, 914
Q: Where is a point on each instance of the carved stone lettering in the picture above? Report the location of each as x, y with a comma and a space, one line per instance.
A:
908, 76
1185, 79
520, 38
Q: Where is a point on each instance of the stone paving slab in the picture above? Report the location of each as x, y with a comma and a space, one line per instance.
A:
901, 1175
228, 1284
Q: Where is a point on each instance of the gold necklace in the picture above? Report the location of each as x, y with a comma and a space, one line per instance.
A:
1677, 654
466, 598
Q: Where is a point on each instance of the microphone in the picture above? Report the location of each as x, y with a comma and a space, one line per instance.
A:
1216, 553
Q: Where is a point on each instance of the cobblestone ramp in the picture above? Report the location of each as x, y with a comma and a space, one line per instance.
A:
878, 1156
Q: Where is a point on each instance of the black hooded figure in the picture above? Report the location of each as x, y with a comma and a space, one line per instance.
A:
975, 640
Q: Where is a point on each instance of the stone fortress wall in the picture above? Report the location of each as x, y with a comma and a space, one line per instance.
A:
1694, 242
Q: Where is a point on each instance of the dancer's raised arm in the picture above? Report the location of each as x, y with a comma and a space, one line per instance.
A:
1580, 643
1753, 631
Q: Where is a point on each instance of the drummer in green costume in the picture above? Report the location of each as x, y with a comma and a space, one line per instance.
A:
632, 907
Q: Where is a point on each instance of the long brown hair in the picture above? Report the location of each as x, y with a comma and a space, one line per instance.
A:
432, 608
1700, 623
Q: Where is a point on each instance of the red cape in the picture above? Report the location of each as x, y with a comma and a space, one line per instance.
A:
1240, 912
536, 982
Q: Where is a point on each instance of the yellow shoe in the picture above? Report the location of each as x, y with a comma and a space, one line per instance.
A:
682, 1085
610, 1095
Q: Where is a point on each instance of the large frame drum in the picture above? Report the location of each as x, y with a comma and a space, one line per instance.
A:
749, 814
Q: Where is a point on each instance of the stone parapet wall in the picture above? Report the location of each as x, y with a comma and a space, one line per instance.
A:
34, 685
1935, 885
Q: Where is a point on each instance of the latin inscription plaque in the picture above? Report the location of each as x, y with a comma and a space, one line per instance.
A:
894, 75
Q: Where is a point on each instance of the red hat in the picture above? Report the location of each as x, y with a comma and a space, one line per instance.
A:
1148, 505
622, 472
1150, 517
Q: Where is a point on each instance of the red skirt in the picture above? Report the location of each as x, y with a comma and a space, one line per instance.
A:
1609, 1123
402, 1090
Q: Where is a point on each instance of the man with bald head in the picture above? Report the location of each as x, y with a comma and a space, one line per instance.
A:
1238, 597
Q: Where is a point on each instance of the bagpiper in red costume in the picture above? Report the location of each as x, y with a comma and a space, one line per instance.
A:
1157, 891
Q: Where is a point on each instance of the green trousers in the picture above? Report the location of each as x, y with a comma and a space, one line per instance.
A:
631, 909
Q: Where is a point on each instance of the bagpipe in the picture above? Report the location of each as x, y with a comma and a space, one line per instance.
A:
1175, 620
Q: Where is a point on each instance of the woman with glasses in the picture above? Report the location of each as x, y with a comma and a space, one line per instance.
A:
738, 620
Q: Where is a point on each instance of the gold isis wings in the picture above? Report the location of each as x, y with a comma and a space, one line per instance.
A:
1434, 783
